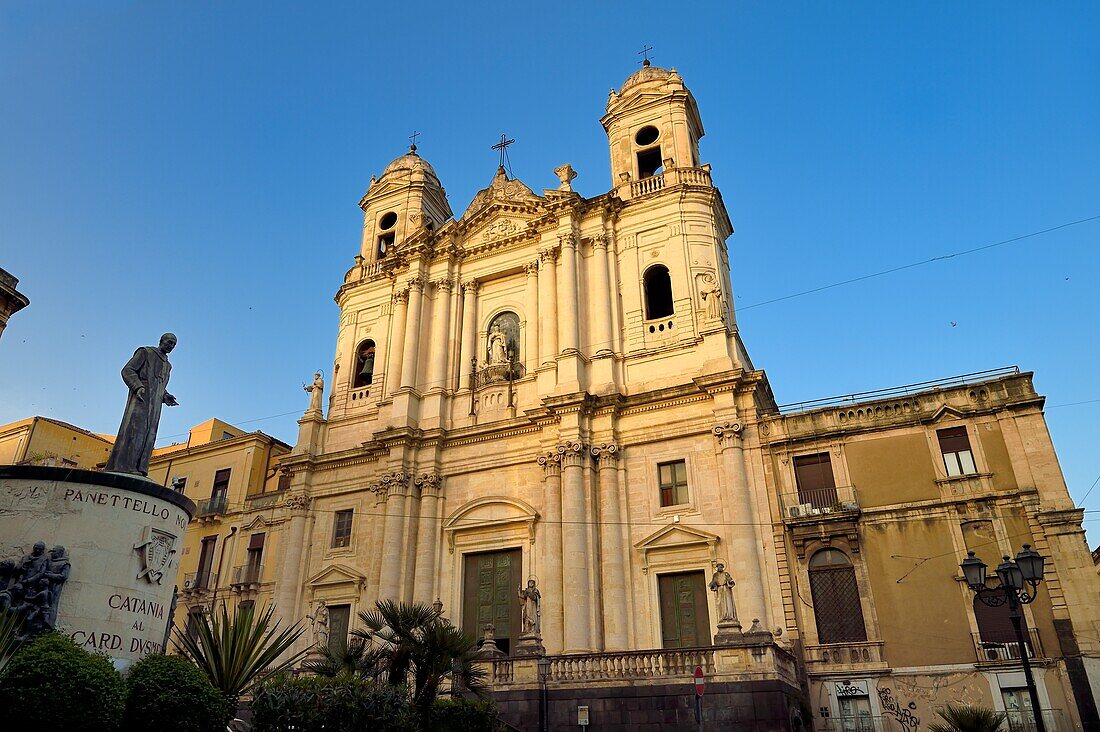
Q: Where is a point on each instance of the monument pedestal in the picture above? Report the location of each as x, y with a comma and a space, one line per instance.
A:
729, 633
529, 645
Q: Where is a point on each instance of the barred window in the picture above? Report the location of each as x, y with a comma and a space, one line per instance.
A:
341, 528
835, 596
673, 481
958, 459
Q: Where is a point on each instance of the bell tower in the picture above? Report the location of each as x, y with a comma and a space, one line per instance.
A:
407, 199
652, 123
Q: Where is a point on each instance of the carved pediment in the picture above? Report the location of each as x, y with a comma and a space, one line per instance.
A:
489, 514
676, 538
499, 227
503, 191
336, 574
944, 412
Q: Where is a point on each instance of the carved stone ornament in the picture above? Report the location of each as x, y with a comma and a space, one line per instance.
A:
297, 503
401, 295
30, 588
471, 286
444, 285
549, 255
501, 229
568, 240
418, 282
608, 453
572, 452
155, 553
531, 268
566, 175
728, 432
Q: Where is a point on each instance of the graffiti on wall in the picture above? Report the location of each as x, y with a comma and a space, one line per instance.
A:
892, 707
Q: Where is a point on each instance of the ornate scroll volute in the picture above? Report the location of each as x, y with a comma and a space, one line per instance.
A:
389, 484
572, 453
297, 502
728, 434
429, 484
606, 455
550, 462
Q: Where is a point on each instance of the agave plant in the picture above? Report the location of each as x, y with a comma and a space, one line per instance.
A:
411, 642
234, 651
9, 637
966, 718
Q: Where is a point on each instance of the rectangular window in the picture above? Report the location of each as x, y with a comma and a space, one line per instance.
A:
957, 456
194, 617
179, 483
220, 489
204, 579
284, 481
339, 622
341, 528
252, 568
672, 478
813, 475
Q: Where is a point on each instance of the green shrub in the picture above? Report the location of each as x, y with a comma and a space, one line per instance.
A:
52, 683
463, 715
341, 704
170, 694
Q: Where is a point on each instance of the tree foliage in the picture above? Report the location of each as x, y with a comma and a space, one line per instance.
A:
170, 694
233, 651
52, 683
966, 718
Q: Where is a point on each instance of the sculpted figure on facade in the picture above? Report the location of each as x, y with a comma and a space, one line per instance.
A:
530, 600
722, 585
315, 390
57, 573
146, 376
497, 346
710, 290
320, 624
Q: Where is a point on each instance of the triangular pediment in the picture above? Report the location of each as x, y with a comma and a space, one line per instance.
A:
498, 225
945, 412
503, 192
336, 574
676, 535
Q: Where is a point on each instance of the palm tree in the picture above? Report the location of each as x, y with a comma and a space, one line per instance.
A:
9, 637
352, 659
412, 640
232, 652
965, 718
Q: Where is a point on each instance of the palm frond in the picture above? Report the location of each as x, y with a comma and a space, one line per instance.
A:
967, 718
232, 652
9, 637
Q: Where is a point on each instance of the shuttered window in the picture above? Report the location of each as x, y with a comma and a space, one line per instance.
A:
958, 459
835, 594
814, 476
673, 481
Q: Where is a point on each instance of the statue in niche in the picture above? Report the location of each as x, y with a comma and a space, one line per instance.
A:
146, 376
722, 585
315, 390
530, 600
498, 346
710, 290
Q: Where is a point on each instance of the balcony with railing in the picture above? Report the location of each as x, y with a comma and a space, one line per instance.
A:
808, 505
199, 582
1024, 721
671, 177
246, 576
213, 506
833, 657
1001, 646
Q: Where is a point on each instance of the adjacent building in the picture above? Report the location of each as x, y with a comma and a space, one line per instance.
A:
51, 442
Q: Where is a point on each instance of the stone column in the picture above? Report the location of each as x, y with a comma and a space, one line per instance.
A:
290, 583
410, 359
469, 332
615, 612
531, 329
575, 578
397, 338
567, 288
396, 486
441, 327
549, 548
427, 536
602, 298
548, 305
746, 549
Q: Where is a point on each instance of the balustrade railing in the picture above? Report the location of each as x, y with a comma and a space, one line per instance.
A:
1024, 721
247, 574
678, 662
213, 506
670, 177
819, 502
993, 646
827, 657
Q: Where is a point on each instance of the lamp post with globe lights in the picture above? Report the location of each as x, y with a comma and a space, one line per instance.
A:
1019, 584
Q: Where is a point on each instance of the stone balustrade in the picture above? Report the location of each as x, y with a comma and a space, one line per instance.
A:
833, 657
659, 663
670, 177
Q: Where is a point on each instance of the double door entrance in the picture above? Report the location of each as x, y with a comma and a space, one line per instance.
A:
490, 595
685, 617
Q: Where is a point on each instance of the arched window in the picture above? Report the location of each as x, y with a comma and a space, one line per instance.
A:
835, 596
388, 235
364, 365
650, 162
658, 292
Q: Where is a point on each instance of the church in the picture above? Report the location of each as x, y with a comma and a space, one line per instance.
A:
549, 391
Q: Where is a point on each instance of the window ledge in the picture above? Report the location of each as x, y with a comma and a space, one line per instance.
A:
961, 478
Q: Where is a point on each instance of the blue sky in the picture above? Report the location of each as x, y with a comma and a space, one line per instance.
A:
196, 167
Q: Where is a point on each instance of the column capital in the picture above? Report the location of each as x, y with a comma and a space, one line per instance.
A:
429, 483
549, 255
600, 241
606, 454
531, 268
445, 284
567, 241
729, 433
401, 294
418, 282
572, 453
470, 287
550, 462
395, 482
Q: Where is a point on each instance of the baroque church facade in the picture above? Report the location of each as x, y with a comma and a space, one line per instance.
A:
553, 388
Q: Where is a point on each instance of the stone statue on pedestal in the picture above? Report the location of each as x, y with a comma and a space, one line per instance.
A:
722, 584
316, 390
146, 376
530, 613
320, 624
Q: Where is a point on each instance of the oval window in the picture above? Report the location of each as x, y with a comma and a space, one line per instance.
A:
388, 221
647, 135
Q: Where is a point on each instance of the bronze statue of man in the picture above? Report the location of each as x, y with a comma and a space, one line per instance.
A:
146, 375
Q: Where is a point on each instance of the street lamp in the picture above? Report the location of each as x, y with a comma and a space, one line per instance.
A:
1019, 584
544, 711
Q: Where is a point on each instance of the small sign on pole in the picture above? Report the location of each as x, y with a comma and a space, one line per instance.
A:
582, 716
699, 682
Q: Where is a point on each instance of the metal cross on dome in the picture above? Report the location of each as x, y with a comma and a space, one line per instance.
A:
412, 139
502, 146
644, 53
